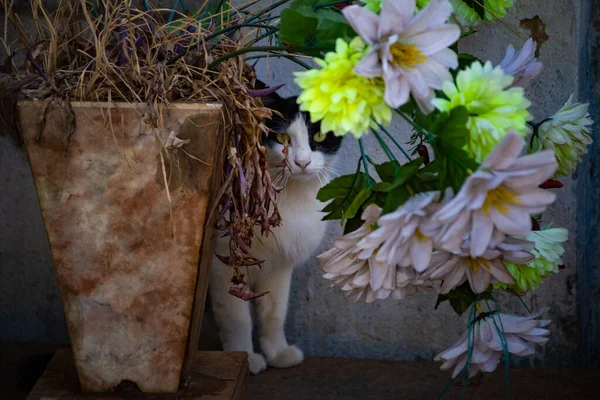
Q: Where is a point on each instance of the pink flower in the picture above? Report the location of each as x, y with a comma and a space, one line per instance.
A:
522, 65
408, 48
497, 199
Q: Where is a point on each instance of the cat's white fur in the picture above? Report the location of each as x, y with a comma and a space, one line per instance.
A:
290, 244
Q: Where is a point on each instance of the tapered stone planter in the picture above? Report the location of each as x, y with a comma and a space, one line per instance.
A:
127, 252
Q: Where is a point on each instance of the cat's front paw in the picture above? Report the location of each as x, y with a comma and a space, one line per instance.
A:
287, 357
256, 363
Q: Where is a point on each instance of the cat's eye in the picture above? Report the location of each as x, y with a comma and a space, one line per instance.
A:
319, 137
283, 138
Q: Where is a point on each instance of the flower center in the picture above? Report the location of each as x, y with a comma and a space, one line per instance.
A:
474, 263
407, 55
420, 236
499, 198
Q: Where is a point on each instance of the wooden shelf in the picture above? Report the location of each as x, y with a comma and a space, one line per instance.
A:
214, 375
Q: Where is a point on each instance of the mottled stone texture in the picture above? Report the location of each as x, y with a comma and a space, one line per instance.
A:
125, 251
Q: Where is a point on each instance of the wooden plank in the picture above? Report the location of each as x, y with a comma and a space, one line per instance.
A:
205, 261
588, 194
214, 375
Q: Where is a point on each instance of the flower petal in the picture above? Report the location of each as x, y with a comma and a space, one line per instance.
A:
363, 21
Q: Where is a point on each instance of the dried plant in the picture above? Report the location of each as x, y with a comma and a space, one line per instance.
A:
129, 51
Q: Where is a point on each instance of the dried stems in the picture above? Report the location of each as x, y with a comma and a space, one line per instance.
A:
109, 50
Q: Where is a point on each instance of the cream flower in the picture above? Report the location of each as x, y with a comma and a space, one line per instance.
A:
409, 50
522, 64
494, 107
481, 271
567, 134
547, 251
497, 199
521, 334
405, 235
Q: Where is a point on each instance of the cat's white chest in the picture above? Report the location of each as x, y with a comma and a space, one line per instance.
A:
302, 229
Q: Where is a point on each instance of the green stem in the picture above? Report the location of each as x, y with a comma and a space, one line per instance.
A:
422, 131
363, 156
233, 28
384, 146
244, 51
266, 10
384, 130
288, 56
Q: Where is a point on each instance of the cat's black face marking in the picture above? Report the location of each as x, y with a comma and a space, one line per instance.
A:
290, 110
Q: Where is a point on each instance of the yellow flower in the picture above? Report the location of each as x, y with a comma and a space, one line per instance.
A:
342, 100
495, 108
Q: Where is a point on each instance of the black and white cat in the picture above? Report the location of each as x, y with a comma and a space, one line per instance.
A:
290, 244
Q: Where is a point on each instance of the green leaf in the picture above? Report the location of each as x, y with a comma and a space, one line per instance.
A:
405, 172
356, 204
476, 5
388, 171
353, 224
395, 199
312, 30
451, 135
462, 297
342, 191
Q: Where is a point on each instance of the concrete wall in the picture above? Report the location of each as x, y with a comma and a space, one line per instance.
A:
321, 320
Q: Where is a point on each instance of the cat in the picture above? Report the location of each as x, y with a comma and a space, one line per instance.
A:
291, 244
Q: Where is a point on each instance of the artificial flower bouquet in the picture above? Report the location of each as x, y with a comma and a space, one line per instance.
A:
466, 220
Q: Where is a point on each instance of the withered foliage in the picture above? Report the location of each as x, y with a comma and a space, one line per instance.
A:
111, 50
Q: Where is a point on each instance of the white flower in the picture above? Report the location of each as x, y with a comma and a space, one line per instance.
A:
498, 199
567, 134
352, 265
522, 64
410, 50
521, 334
481, 271
405, 234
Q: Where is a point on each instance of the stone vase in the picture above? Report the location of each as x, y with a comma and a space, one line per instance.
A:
131, 257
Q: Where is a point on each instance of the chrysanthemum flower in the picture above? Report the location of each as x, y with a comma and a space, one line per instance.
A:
567, 134
353, 267
521, 334
466, 16
522, 65
453, 269
342, 100
547, 251
405, 235
409, 50
497, 199
494, 107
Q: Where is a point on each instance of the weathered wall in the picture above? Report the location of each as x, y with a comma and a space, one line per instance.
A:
321, 320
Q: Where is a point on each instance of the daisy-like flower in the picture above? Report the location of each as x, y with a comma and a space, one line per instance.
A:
494, 107
405, 235
466, 16
352, 265
547, 251
342, 100
498, 199
409, 50
521, 334
522, 65
567, 134
488, 268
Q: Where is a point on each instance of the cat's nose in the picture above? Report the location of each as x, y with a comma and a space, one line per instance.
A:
302, 163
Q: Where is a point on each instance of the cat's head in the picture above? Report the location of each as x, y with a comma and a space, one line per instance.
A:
311, 155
